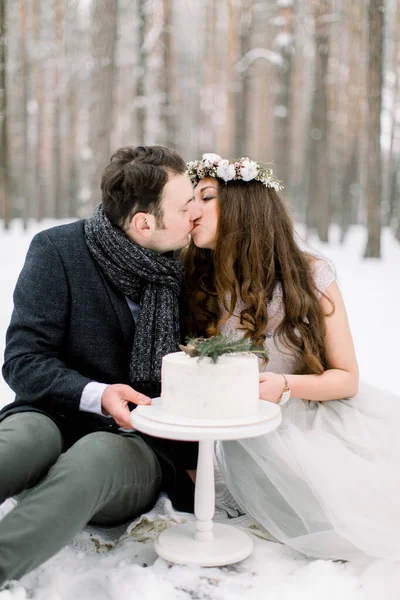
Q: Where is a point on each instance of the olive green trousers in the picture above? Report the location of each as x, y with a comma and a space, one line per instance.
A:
104, 478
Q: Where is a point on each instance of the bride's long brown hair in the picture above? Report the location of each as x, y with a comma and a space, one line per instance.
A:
255, 249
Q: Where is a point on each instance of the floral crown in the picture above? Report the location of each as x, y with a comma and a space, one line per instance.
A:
243, 169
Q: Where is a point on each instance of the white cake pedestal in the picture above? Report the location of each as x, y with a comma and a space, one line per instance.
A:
203, 542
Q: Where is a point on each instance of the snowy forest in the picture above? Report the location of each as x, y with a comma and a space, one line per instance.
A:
311, 86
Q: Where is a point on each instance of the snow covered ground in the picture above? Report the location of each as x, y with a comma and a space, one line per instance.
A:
102, 565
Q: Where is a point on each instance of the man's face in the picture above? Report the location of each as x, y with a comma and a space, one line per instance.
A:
178, 210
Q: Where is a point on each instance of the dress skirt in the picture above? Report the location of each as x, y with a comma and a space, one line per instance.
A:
327, 481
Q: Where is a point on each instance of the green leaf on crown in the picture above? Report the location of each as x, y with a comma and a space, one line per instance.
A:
218, 345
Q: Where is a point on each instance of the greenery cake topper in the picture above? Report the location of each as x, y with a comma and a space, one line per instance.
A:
218, 345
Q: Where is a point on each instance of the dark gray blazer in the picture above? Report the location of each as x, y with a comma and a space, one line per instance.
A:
70, 326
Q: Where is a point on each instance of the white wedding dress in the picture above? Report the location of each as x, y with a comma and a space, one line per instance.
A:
327, 481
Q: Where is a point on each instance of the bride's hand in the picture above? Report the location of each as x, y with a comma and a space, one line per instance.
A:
271, 386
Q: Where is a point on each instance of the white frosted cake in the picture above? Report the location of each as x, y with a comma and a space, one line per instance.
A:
200, 389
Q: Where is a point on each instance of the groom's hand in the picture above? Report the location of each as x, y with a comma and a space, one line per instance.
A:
114, 402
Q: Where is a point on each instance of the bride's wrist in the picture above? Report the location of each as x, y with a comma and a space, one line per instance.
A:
286, 391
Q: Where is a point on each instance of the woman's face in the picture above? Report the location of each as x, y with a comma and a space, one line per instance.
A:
204, 232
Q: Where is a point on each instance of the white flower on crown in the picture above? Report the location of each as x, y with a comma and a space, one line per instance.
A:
212, 165
248, 169
210, 159
226, 170
274, 184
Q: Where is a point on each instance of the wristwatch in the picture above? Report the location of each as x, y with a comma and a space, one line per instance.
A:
285, 392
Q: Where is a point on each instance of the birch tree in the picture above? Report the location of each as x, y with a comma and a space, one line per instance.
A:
393, 162
57, 187
225, 143
259, 62
104, 33
139, 102
72, 102
23, 159
170, 98
242, 95
352, 133
38, 154
283, 44
319, 209
209, 101
5, 199
374, 103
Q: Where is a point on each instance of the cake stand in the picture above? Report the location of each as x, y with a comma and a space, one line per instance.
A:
203, 542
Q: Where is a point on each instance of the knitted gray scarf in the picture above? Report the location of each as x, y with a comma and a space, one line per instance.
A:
151, 280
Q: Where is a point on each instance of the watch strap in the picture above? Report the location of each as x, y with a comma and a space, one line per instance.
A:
285, 392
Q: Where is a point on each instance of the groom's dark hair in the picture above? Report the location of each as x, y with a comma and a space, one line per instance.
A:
134, 180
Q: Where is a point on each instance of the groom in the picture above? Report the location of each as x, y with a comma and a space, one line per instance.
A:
95, 309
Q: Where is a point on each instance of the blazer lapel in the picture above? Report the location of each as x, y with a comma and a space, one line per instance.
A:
121, 308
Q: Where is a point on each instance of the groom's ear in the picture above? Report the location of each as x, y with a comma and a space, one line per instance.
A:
142, 224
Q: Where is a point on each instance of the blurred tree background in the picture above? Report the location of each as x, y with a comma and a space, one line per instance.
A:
309, 85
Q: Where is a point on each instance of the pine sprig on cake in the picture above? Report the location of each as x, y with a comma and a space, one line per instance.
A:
218, 345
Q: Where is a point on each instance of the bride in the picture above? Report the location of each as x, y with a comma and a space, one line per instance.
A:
327, 481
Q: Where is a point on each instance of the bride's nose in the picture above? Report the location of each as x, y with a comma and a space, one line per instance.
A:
196, 211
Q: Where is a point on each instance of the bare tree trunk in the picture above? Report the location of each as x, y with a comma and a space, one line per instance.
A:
354, 122
104, 32
169, 78
227, 134
211, 72
393, 158
57, 187
374, 87
319, 201
351, 174
24, 112
40, 190
242, 97
283, 43
140, 100
396, 211
395, 199
258, 63
5, 199
391, 170
303, 76
72, 148
338, 103
71, 145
